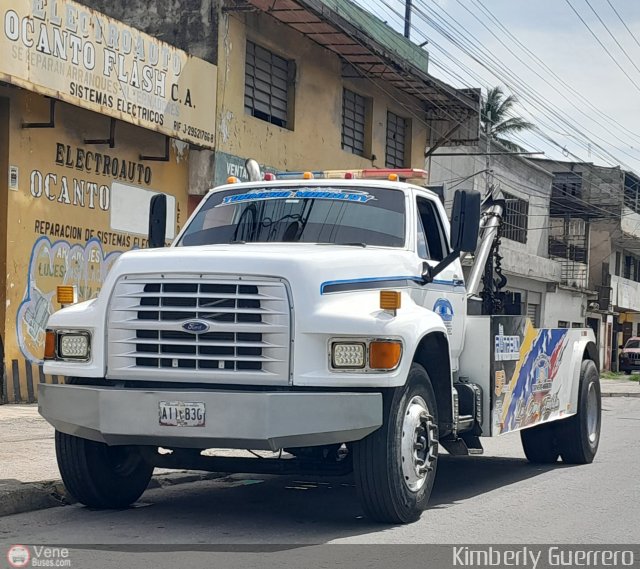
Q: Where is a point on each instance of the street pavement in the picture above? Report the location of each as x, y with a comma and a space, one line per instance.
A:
495, 498
27, 451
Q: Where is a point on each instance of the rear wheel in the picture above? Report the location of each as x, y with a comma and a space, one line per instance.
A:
578, 437
101, 476
539, 444
395, 466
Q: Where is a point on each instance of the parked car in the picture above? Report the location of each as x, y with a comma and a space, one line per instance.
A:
630, 356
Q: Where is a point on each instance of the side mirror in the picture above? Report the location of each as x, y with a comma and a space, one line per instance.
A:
621, 347
465, 228
465, 221
157, 221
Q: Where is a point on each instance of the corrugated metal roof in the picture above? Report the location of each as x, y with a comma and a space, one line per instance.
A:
375, 50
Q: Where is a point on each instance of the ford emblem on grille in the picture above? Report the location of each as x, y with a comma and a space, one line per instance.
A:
195, 326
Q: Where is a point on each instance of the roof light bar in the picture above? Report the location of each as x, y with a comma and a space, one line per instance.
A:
366, 174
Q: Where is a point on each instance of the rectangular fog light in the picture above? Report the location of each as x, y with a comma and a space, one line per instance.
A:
348, 355
74, 346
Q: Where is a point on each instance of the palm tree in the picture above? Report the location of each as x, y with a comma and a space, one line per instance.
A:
495, 119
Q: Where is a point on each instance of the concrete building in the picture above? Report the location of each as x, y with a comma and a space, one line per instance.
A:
95, 117
545, 296
597, 209
309, 85
105, 102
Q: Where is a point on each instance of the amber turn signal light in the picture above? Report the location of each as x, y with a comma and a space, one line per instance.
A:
384, 354
390, 299
66, 294
50, 345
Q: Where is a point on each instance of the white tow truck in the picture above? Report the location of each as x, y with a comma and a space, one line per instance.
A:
324, 316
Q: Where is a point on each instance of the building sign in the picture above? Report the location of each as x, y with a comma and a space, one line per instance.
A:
64, 50
77, 207
230, 165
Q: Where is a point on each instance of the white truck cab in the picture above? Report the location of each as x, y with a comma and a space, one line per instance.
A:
324, 315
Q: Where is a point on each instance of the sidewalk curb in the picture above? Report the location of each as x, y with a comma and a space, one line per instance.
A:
20, 497
622, 394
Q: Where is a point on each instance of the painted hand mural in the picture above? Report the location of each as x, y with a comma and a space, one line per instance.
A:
53, 264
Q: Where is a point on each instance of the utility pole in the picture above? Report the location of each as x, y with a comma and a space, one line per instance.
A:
488, 160
407, 18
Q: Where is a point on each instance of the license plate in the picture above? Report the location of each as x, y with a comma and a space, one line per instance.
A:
182, 414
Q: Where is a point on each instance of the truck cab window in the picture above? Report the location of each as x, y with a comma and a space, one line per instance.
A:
421, 242
323, 214
430, 231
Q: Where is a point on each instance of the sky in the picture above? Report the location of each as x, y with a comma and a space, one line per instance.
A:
585, 105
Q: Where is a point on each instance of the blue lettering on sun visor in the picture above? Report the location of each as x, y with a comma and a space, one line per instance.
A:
306, 193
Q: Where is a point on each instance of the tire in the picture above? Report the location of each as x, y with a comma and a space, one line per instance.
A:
101, 476
627, 372
391, 489
578, 437
539, 444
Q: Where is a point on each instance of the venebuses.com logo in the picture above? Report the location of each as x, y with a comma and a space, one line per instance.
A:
20, 556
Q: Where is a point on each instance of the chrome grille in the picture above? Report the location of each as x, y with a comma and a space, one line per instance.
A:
243, 329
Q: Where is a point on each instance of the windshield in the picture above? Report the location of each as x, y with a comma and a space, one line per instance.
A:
316, 214
633, 344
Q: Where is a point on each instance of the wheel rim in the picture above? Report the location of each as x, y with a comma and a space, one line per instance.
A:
419, 444
592, 413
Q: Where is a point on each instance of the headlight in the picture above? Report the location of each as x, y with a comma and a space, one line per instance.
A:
349, 356
366, 355
68, 345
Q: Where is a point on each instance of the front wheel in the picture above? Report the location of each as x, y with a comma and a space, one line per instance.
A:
395, 466
101, 476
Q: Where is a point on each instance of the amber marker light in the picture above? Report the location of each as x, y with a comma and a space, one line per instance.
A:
307, 176
393, 177
50, 345
232, 180
384, 354
66, 294
390, 299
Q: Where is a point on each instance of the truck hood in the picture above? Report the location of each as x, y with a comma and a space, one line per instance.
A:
309, 265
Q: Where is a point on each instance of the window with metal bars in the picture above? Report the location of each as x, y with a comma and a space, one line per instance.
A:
397, 143
516, 219
567, 184
267, 86
354, 119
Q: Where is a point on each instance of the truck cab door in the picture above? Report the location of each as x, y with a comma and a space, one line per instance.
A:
446, 295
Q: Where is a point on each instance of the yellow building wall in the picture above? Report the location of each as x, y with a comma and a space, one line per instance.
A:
61, 214
315, 141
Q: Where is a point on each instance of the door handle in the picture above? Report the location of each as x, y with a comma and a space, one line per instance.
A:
457, 281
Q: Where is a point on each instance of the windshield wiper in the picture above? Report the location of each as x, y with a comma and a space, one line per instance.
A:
237, 242
351, 244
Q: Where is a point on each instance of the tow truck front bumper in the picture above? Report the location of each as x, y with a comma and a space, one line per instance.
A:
234, 419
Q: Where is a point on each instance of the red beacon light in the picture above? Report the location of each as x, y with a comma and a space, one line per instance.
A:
269, 177
349, 176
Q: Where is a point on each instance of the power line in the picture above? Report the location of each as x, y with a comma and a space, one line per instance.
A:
612, 36
624, 23
602, 45
545, 195
559, 79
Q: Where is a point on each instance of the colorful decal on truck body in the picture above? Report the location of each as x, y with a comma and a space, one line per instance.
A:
535, 386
